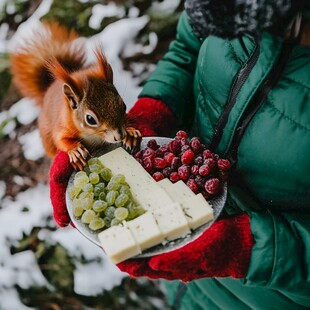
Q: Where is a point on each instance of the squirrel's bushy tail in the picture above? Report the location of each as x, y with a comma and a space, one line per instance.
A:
31, 62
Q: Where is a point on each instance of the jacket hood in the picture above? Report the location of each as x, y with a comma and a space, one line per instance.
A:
231, 18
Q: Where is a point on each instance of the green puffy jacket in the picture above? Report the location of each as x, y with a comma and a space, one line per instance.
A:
197, 79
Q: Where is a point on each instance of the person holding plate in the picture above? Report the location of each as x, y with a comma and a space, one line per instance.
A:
238, 77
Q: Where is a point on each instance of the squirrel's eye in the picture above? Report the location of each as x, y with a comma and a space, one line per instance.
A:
90, 120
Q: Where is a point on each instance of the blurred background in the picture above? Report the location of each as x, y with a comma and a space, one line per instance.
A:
42, 266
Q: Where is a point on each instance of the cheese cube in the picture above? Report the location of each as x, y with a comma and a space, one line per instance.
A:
172, 222
145, 231
197, 211
183, 190
154, 199
118, 243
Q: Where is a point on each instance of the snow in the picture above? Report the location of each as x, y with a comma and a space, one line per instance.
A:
33, 208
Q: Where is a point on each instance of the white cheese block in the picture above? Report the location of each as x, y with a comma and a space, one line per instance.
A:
197, 211
172, 222
145, 231
144, 188
118, 243
119, 161
183, 190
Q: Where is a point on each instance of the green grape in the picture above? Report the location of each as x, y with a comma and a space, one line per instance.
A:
81, 180
86, 195
113, 186
130, 206
139, 210
87, 187
94, 160
115, 222
100, 206
121, 200
106, 174
102, 196
99, 188
107, 221
111, 197
94, 178
77, 202
73, 192
86, 203
87, 170
109, 212
125, 189
121, 213
95, 168
77, 210
80, 174
88, 216
118, 178
96, 224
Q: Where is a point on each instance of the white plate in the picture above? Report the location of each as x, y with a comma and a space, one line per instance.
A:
217, 203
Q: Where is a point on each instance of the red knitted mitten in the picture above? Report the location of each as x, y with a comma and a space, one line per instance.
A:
152, 117
223, 250
60, 173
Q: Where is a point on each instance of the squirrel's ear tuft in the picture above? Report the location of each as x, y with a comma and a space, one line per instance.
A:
71, 96
104, 67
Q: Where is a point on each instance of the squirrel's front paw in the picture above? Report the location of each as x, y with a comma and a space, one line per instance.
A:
78, 157
133, 138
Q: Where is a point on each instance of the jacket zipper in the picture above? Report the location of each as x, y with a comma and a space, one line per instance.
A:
258, 99
239, 81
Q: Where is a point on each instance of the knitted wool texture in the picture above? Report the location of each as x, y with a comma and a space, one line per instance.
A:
233, 18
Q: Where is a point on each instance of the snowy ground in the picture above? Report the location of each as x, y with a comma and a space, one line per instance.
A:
32, 207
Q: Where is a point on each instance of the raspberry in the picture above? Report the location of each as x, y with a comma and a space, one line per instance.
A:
157, 176
207, 154
166, 172
168, 157
181, 134
184, 172
159, 153
198, 160
176, 163
138, 154
184, 148
204, 170
153, 144
223, 164
147, 164
174, 146
174, 177
212, 186
195, 169
184, 141
159, 163
148, 152
192, 185
163, 148
200, 180
187, 157
195, 145
211, 163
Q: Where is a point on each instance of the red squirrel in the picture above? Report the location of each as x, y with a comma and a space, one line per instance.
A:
80, 107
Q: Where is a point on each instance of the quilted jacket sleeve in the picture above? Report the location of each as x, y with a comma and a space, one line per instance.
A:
281, 254
172, 81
